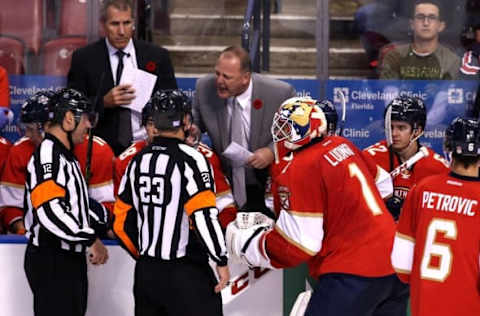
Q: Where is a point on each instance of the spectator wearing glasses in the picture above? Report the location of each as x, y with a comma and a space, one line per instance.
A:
425, 58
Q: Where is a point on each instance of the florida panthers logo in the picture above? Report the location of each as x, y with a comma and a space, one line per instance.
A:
284, 197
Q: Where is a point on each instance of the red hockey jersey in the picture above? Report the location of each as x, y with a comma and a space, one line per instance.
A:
224, 196
437, 248
427, 166
13, 178
100, 186
4, 149
331, 214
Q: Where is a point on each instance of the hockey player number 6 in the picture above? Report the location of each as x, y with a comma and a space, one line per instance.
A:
367, 193
440, 271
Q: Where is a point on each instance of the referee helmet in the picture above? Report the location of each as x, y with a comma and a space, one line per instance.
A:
72, 100
167, 109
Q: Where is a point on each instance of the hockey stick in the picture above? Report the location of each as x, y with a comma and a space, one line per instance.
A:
88, 163
422, 152
344, 111
301, 303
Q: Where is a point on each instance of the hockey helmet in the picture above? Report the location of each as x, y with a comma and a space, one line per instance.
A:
72, 100
407, 109
330, 114
38, 108
168, 108
462, 137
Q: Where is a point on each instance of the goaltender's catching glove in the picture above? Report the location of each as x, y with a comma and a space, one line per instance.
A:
245, 238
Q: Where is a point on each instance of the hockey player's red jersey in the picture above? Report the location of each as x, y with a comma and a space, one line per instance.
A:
437, 246
285, 159
224, 197
4, 148
100, 185
427, 166
331, 213
13, 178
121, 162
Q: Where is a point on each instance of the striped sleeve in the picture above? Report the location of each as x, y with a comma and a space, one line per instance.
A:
470, 64
13, 180
383, 180
297, 237
404, 243
100, 186
124, 224
201, 204
54, 204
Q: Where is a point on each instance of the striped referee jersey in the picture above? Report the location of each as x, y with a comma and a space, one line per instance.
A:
56, 199
164, 185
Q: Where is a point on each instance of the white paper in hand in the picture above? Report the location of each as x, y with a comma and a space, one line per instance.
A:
237, 154
143, 82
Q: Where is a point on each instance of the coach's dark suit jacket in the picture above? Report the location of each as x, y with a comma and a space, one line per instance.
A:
91, 63
211, 115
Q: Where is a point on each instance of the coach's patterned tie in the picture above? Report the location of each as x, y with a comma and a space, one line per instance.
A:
238, 136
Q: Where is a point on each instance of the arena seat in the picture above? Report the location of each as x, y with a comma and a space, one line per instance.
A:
23, 19
12, 55
56, 54
73, 17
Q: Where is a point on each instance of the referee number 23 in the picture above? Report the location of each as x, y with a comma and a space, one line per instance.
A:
151, 189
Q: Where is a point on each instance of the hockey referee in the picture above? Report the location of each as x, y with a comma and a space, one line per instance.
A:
167, 186
59, 221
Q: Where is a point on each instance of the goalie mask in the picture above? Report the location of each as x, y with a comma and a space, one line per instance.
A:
167, 109
297, 122
462, 137
405, 109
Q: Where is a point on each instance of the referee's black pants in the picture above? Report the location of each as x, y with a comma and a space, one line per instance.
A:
58, 280
178, 287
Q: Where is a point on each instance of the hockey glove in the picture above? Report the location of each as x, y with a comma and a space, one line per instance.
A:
394, 205
98, 215
245, 239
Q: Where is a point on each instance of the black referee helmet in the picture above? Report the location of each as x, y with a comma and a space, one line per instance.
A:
68, 99
167, 109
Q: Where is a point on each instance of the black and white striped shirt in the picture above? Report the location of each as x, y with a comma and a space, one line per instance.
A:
56, 199
164, 185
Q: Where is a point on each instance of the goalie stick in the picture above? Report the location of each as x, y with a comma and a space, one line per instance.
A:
422, 152
301, 303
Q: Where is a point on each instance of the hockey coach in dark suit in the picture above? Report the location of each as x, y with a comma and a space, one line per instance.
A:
97, 68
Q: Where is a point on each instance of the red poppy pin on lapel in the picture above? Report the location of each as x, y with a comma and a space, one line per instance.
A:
257, 104
151, 66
